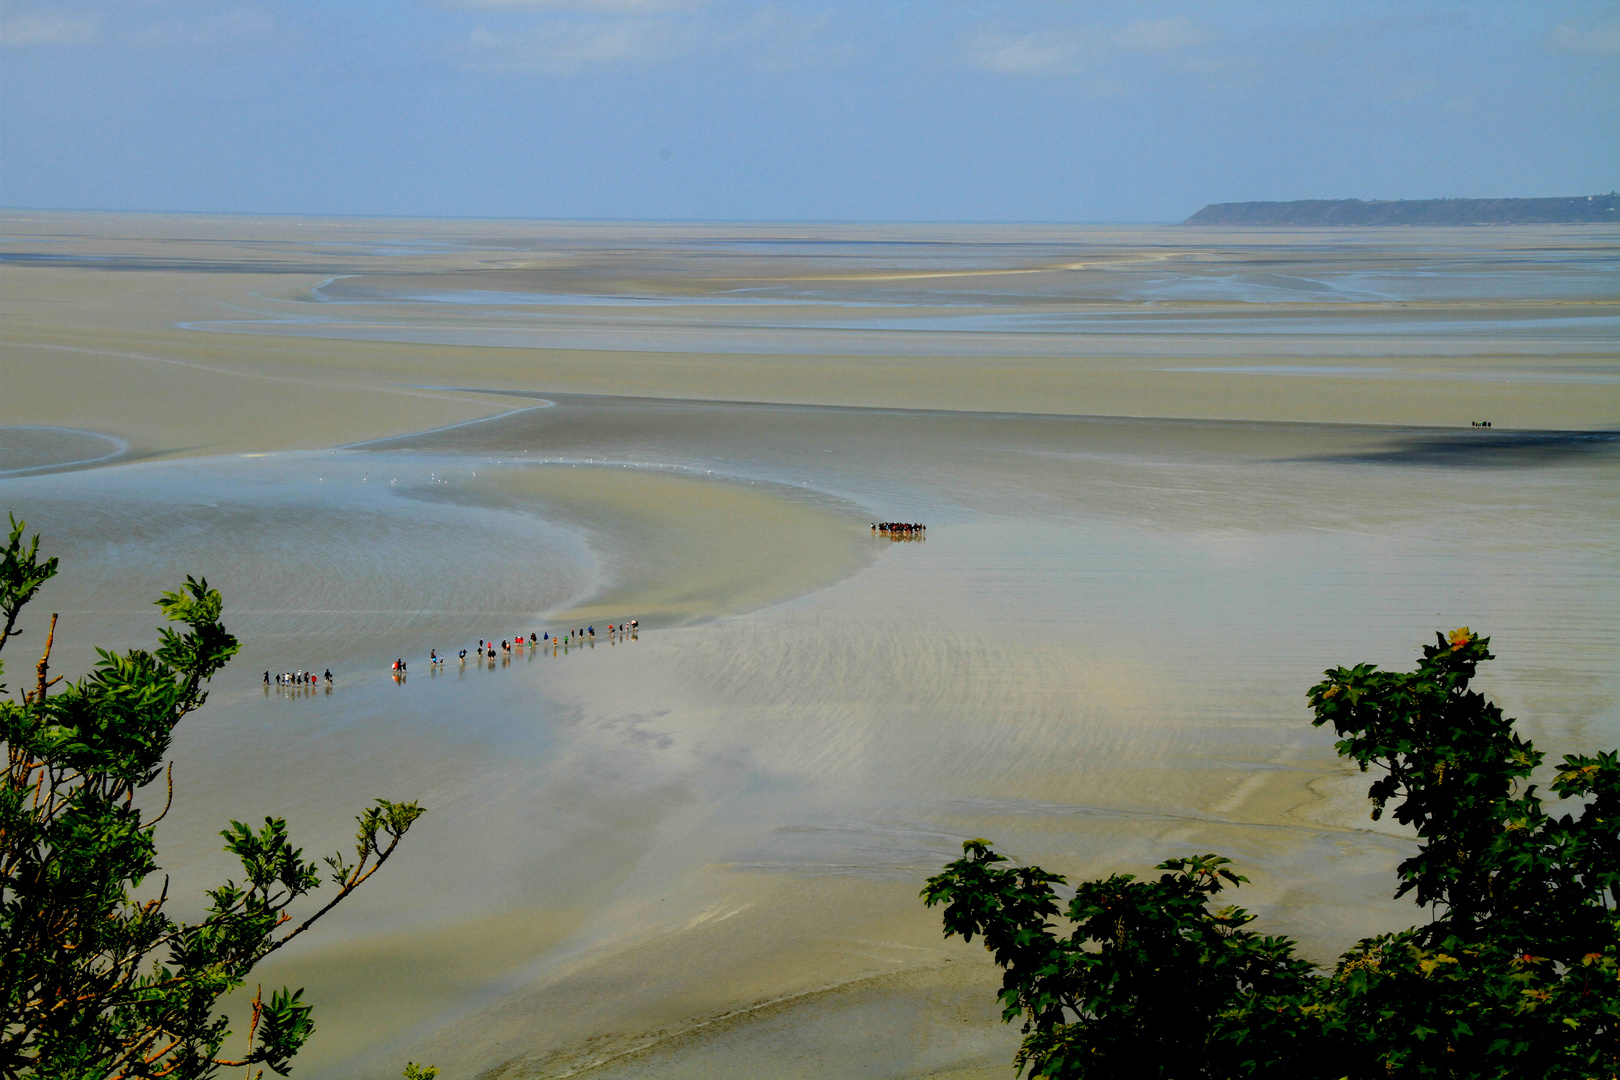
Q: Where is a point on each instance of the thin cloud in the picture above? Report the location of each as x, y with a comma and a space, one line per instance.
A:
214, 29
779, 39
1069, 50
769, 38
642, 6
1160, 35
196, 25
1022, 54
45, 28
1586, 40
569, 47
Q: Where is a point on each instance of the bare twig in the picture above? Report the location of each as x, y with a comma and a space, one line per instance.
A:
170, 801
45, 661
253, 1028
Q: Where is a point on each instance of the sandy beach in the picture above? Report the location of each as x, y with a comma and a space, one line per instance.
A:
1169, 475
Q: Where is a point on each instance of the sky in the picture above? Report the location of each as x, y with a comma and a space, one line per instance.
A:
798, 110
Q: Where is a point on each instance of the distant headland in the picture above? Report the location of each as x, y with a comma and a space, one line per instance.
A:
1577, 209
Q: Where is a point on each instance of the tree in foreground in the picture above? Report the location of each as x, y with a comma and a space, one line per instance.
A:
97, 980
1516, 975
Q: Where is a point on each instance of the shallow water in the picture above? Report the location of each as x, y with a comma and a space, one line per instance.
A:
27, 449
696, 851
1097, 657
1439, 291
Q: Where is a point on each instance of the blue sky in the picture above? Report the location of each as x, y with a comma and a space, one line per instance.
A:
800, 109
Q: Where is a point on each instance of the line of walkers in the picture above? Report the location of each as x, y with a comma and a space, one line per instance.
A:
622, 630
898, 527
298, 678
534, 640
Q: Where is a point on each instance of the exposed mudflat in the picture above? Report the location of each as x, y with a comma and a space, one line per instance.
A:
1169, 475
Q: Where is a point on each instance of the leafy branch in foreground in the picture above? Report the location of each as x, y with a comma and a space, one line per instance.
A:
96, 982
1517, 973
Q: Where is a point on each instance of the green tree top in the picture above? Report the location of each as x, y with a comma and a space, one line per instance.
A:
1516, 975
96, 983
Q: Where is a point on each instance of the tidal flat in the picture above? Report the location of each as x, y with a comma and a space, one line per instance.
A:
1169, 475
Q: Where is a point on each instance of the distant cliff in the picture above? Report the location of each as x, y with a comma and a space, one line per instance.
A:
1578, 209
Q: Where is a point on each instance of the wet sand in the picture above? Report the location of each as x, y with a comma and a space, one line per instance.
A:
675, 549
697, 852
192, 335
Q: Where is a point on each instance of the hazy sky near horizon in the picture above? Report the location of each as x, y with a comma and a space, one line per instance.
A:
798, 109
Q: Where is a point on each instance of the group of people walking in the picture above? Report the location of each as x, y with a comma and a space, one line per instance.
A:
899, 528
544, 638
298, 678
1480, 423
622, 630
491, 649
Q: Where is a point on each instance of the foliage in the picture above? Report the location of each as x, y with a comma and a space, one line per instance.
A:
413, 1071
96, 980
1516, 974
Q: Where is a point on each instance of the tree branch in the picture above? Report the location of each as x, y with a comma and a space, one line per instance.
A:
45, 660
348, 887
167, 804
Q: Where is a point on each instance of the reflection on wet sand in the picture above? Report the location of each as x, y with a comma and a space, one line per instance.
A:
678, 548
700, 856
29, 449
